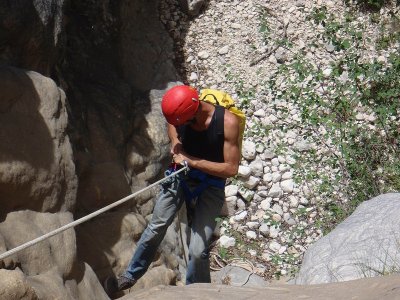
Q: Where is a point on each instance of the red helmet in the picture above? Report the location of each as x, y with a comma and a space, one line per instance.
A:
179, 104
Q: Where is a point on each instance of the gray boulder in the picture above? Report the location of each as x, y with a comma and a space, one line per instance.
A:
366, 244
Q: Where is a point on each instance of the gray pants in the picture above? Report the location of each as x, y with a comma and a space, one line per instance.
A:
203, 214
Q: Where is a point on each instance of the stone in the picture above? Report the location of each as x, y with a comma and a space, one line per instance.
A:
224, 50
231, 190
358, 246
227, 241
252, 182
251, 235
275, 191
249, 150
287, 185
244, 171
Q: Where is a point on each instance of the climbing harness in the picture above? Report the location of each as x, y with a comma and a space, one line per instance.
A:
89, 216
204, 181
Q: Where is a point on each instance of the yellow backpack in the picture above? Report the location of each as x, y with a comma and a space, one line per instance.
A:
217, 97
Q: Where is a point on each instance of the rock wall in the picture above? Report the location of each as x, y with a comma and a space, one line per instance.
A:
36, 160
80, 127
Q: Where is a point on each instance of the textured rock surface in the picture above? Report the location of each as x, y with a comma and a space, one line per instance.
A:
107, 64
114, 60
13, 285
50, 268
366, 244
382, 288
238, 276
37, 171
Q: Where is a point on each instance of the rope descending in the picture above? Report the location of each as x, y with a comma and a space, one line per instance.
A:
86, 218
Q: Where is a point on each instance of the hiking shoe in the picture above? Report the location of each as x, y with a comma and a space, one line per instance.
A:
113, 285
124, 283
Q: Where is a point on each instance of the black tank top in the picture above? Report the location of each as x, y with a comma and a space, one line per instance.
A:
206, 144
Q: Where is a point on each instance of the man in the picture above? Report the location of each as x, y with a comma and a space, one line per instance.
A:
205, 137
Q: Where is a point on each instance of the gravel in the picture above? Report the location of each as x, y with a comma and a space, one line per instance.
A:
237, 46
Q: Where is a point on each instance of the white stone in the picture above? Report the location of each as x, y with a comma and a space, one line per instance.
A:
244, 171
240, 204
275, 162
265, 204
273, 232
257, 168
287, 185
282, 250
269, 154
381, 59
259, 215
275, 191
193, 76
227, 241
327, 72
290, 160
240, 216
283, 168
249, 150
260, 148
251, 182
287, 175
231, 190
260, 113
278, 209
252, 225
344, 77
264, 229
293, 201
203, 55
276, 217
274, 246
236, 25
252, 252
267, 178
276, 177
251, 235
224, 50
281, 159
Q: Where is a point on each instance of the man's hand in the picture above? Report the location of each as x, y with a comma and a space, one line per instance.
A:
180, 159
176, 148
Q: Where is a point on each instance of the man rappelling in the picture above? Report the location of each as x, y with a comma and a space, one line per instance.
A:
205, 137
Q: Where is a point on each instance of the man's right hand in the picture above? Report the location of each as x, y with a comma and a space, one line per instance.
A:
176, 148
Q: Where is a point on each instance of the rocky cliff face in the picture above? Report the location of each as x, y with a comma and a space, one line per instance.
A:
80, 127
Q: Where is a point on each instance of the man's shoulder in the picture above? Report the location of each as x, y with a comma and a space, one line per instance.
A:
230, 118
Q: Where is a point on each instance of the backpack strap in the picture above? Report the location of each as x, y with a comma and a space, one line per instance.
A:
215, 98
216, 101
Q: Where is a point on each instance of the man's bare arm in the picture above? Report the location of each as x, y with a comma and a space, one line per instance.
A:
176, 145
231, 152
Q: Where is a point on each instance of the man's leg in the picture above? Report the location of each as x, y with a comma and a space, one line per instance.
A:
168, 203
208, 208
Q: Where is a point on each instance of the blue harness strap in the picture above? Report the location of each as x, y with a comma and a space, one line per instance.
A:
204, 181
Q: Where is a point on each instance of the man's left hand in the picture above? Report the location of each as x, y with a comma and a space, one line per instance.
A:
179, 159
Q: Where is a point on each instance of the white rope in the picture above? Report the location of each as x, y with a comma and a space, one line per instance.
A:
85, 218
